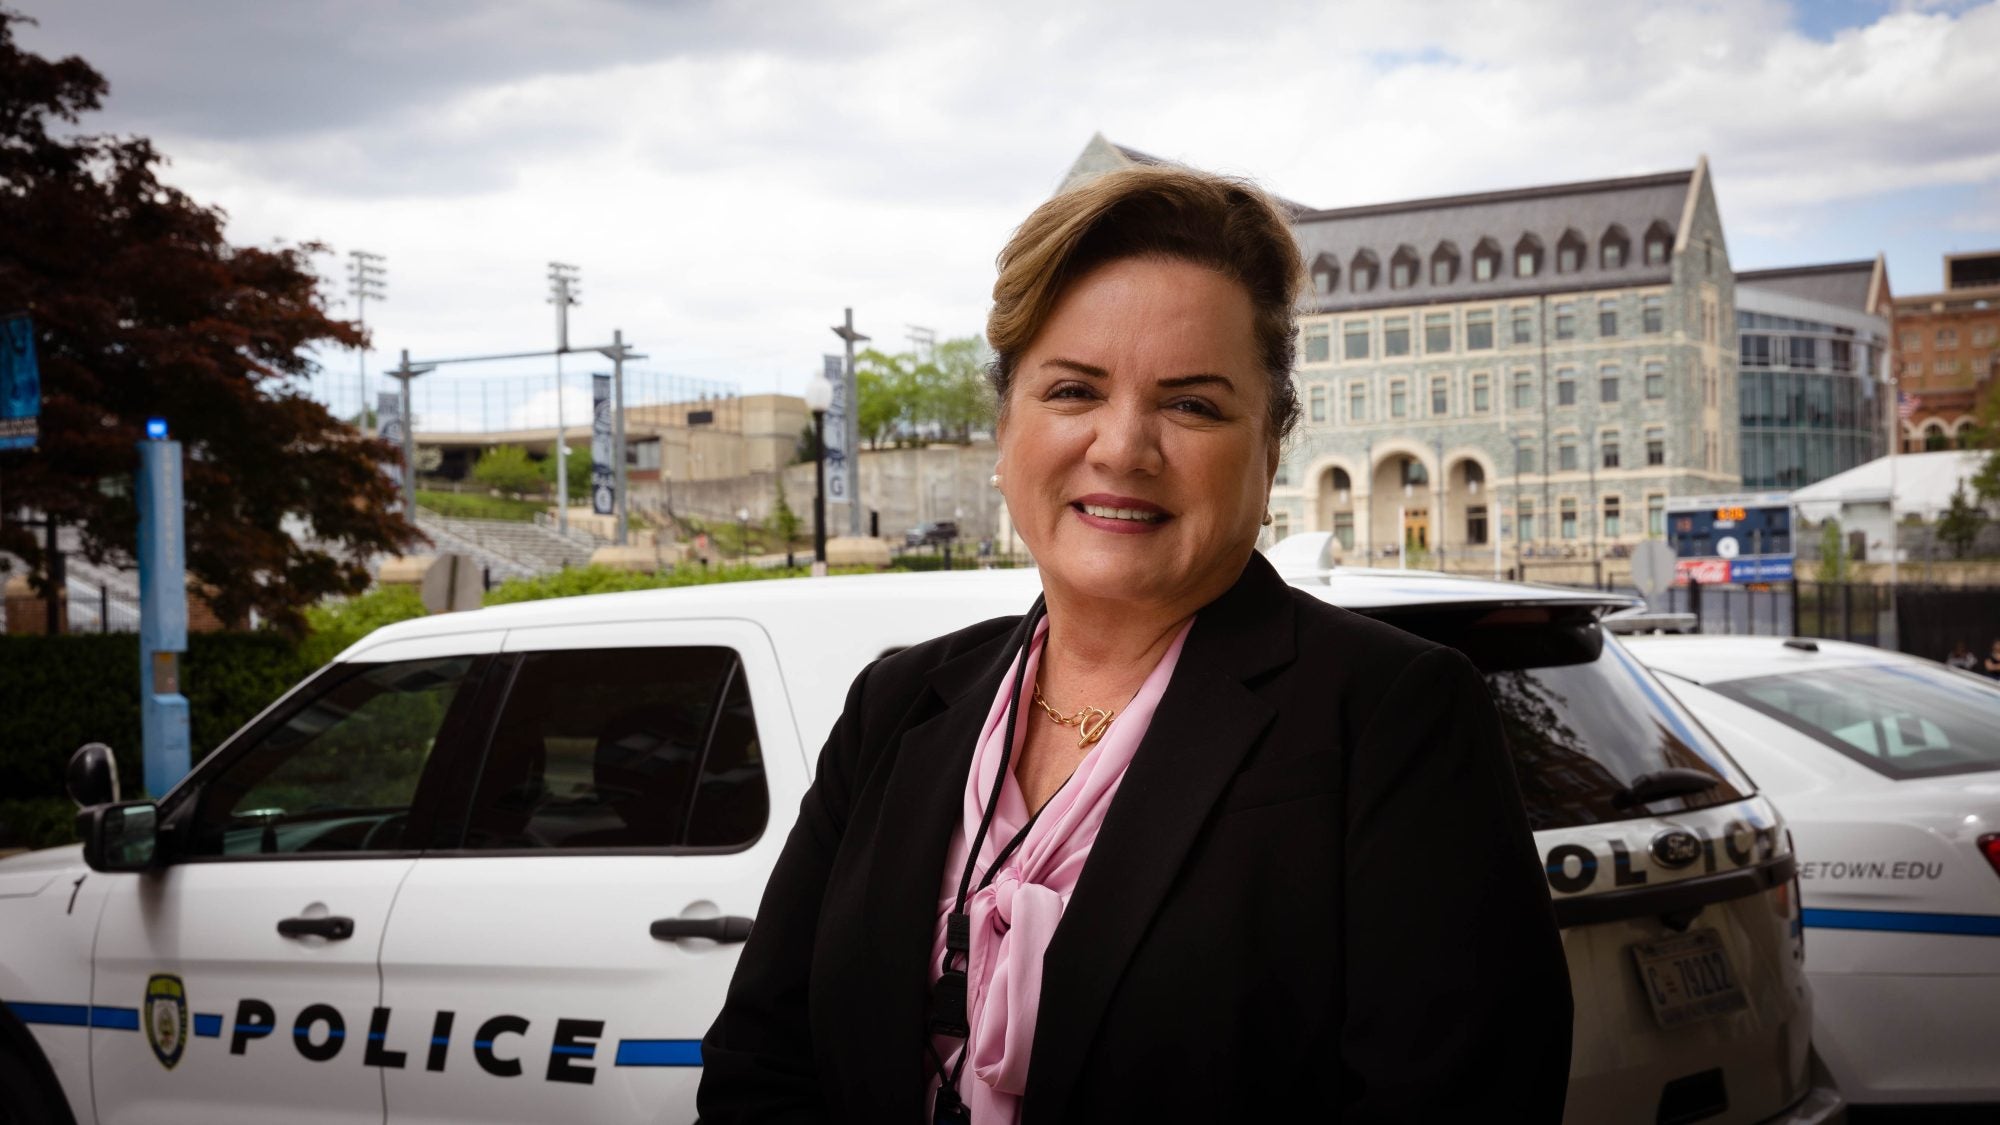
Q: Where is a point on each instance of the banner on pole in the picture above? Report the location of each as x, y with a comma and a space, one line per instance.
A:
603, 478
389, 417
20, 384
836, 431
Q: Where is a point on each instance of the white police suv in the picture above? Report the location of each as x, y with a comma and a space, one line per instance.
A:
1888, 769
494, 865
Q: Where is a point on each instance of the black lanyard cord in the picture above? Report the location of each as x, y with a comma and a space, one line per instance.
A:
1035, 615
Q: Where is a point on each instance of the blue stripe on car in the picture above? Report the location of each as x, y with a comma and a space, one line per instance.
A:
207, 1026
117, 1019
58, 1015
1903, 922
658, 1052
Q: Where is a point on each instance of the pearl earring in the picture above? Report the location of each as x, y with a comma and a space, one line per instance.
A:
994, 480
1267, 519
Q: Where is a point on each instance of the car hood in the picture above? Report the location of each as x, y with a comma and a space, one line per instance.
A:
28, 873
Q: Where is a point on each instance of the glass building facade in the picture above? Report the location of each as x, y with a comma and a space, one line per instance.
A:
1807, 400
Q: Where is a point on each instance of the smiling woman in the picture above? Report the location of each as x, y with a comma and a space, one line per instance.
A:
1167, 847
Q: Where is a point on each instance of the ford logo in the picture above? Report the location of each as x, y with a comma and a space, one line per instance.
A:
1676, 848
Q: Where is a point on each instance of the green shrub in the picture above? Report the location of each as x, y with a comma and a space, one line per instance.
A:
37, 822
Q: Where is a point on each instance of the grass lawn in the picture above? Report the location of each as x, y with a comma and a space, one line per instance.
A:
478, 506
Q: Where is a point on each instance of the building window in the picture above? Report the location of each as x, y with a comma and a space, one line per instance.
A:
1524, 519
1524, 390
1395, 335
1444, 264
1566, 455
1656, 448
1364, 272
1947, 337
1913, 341
1354, 339
1479, 330
1357, 402
1527, 256
1941, 366
1656, 379
1658, 242
1475, 524
1565, 388
1612, 250
1614, 525
1343, 529
1437, 333
1524, 326
1399, 399
1403, 268
1319, 343
1566, 321
1482, 393
1325, 275
1524, 458
1981, 337
1281, 525
1440, 396
1607, 318
1607, 446
1840, 354
1317, 399
1566, 512
1652, 315
1607, 385
1754, 350
1656, 515
1569, 252
1486, 260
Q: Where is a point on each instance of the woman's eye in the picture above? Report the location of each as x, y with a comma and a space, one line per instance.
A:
1070, 390
1194, 406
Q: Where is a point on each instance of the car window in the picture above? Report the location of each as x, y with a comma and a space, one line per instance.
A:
338, 771
1583, 721
1901, 720
623, 748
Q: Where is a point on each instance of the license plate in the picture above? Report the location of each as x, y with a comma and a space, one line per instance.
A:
1688, 978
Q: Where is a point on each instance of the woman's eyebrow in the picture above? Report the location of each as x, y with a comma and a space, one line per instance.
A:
1079, 367
1180, 381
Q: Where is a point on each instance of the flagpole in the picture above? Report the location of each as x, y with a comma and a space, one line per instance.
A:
1895, 444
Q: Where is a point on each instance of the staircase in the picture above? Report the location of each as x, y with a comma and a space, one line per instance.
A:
511, 549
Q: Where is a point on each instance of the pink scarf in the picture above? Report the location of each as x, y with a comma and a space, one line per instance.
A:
1014, 917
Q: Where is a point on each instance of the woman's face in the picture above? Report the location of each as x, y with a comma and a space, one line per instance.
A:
1135, 452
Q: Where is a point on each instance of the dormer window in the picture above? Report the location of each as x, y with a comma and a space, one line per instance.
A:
1444, 264
1528, 256
1659, 243
1570, 251
1403, 268
1614, 249
1325, 275
1486, 260
1364, 272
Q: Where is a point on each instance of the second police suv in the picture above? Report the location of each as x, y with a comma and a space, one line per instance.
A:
495, 865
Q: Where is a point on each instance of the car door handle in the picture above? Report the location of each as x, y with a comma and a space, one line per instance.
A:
332, 928
731, 928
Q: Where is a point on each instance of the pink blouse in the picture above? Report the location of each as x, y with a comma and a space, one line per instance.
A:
1015, 916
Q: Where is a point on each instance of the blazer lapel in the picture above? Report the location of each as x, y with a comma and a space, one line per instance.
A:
926, 790
1206, 722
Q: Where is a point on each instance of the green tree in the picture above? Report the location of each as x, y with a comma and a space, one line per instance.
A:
962, 401
1985, 434
886, 389
141, 308
1959, 526
507, 469
784, 522
579, 471
1832, 553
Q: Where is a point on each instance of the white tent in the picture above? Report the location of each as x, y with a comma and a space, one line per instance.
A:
1923, 486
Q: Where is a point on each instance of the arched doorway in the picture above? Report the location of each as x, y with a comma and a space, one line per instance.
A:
1402, 491
1468, 503
1336, 506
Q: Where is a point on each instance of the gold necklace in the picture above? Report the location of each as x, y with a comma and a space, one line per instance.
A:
1090, 722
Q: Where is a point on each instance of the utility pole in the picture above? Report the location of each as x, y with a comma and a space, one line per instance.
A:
923, 341
366, 278
845, 330
563, 295
403, 373
619, 353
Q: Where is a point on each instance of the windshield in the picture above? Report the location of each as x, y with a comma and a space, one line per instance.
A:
1582, 719
1901, 720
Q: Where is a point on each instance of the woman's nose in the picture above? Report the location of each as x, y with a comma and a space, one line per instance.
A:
1126, 440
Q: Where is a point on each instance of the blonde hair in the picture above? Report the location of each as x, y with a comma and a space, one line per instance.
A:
1224, 224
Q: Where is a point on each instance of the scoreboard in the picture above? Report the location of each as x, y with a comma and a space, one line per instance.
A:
1731, 539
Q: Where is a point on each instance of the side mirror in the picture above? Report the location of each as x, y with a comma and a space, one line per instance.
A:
92, 776
120, 837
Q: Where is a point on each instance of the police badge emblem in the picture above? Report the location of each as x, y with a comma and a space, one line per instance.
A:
166, 1017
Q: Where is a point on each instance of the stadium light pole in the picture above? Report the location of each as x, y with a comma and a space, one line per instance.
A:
851, 440
366, 278
563, 295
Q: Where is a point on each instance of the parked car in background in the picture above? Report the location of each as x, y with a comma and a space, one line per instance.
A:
1887, 768
495, 865
931, 534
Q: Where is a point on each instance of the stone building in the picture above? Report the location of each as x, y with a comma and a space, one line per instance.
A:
1814, 393
1546, 365
1948, 351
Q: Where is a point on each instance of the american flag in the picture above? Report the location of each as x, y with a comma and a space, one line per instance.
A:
1906, 405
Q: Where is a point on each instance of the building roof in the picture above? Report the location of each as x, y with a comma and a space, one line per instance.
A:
1102, 155
1846, 284
1916, 483
1500, 220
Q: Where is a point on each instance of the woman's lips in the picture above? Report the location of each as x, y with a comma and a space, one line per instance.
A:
1123, 514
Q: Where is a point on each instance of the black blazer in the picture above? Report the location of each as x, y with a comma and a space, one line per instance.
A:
1314, 890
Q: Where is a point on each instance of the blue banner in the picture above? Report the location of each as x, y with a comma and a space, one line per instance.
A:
1761, 568
20, 384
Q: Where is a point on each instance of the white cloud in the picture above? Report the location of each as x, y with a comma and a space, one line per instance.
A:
728, 179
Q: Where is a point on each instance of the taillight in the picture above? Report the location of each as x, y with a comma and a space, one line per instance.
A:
1989, 846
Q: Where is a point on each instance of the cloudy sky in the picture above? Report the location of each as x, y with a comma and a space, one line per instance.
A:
729, 175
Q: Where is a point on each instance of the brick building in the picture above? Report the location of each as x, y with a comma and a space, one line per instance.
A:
1948, 351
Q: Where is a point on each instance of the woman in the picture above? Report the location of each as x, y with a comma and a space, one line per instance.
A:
1182, 843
